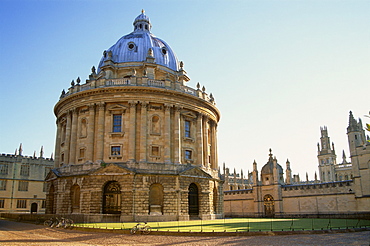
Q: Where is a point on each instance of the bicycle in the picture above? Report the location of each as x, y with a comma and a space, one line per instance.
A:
143, 228
56, 222
49, 222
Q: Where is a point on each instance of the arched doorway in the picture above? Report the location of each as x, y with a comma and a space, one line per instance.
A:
112, 198
269, 204
193, 199
75, 198
33, 207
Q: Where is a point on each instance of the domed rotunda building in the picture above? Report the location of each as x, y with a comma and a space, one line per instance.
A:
134, 142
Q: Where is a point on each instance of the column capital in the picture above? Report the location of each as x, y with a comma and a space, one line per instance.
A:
101, 105
167, 106
178, 108
132, 103
73, 111
144, 104
200, 115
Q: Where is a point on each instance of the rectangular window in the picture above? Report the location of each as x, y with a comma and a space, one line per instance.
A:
155, 151
4, 169
43, 204
23, 186
116, 150
21, 203
44, 187
2, 184
25, 170
82, 153
188, 155
117, 123
187, 129
2, 203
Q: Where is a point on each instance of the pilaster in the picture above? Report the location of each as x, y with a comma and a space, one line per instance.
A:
72, 152
90, 133
57, 144
143, 131
167, 133
132, 132
100, 133
68, 138
177, 137
199, 139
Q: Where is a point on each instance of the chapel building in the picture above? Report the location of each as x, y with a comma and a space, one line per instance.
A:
135, 141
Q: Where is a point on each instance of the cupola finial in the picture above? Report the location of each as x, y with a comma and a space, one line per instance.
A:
143, 11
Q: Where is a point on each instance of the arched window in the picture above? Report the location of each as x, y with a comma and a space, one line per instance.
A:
75, 198
156, 199
269, 204
112, 198
193, 199
156, 129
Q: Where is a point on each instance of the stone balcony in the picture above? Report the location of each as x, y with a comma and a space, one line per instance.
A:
140, 82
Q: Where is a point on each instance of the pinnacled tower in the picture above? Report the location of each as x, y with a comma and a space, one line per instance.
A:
134, 140
326, 156
360, 158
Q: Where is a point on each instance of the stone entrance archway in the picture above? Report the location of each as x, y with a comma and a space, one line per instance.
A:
193, 199
112, 198
269, 205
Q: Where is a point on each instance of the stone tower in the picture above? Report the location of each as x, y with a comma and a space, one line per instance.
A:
326, 157
360, 158
134, 140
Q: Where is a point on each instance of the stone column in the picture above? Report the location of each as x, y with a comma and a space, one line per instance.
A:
167, 133
205, 141
100, 132
132, 132
199, 139
57, 144
213, 144
143, 132
177, 135
68, 138
72, 152
215, 148
90, 133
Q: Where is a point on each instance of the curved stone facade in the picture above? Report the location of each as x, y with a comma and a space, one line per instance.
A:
132, 141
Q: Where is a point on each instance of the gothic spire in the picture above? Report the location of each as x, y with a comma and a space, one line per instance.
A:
42, 151
20, 149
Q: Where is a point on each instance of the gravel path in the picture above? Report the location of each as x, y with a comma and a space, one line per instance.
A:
16, 233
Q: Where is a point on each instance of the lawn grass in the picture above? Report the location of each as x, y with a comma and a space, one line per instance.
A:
240, 225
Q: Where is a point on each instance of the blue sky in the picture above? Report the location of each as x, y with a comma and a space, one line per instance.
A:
279, 70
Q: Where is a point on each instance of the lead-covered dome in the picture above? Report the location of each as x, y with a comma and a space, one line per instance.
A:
136, 46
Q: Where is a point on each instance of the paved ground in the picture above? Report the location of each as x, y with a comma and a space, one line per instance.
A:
16, 233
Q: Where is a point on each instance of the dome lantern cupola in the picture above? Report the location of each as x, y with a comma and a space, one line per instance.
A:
142, 23
134, 47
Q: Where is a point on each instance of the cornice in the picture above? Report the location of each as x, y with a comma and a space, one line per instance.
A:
129, 93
